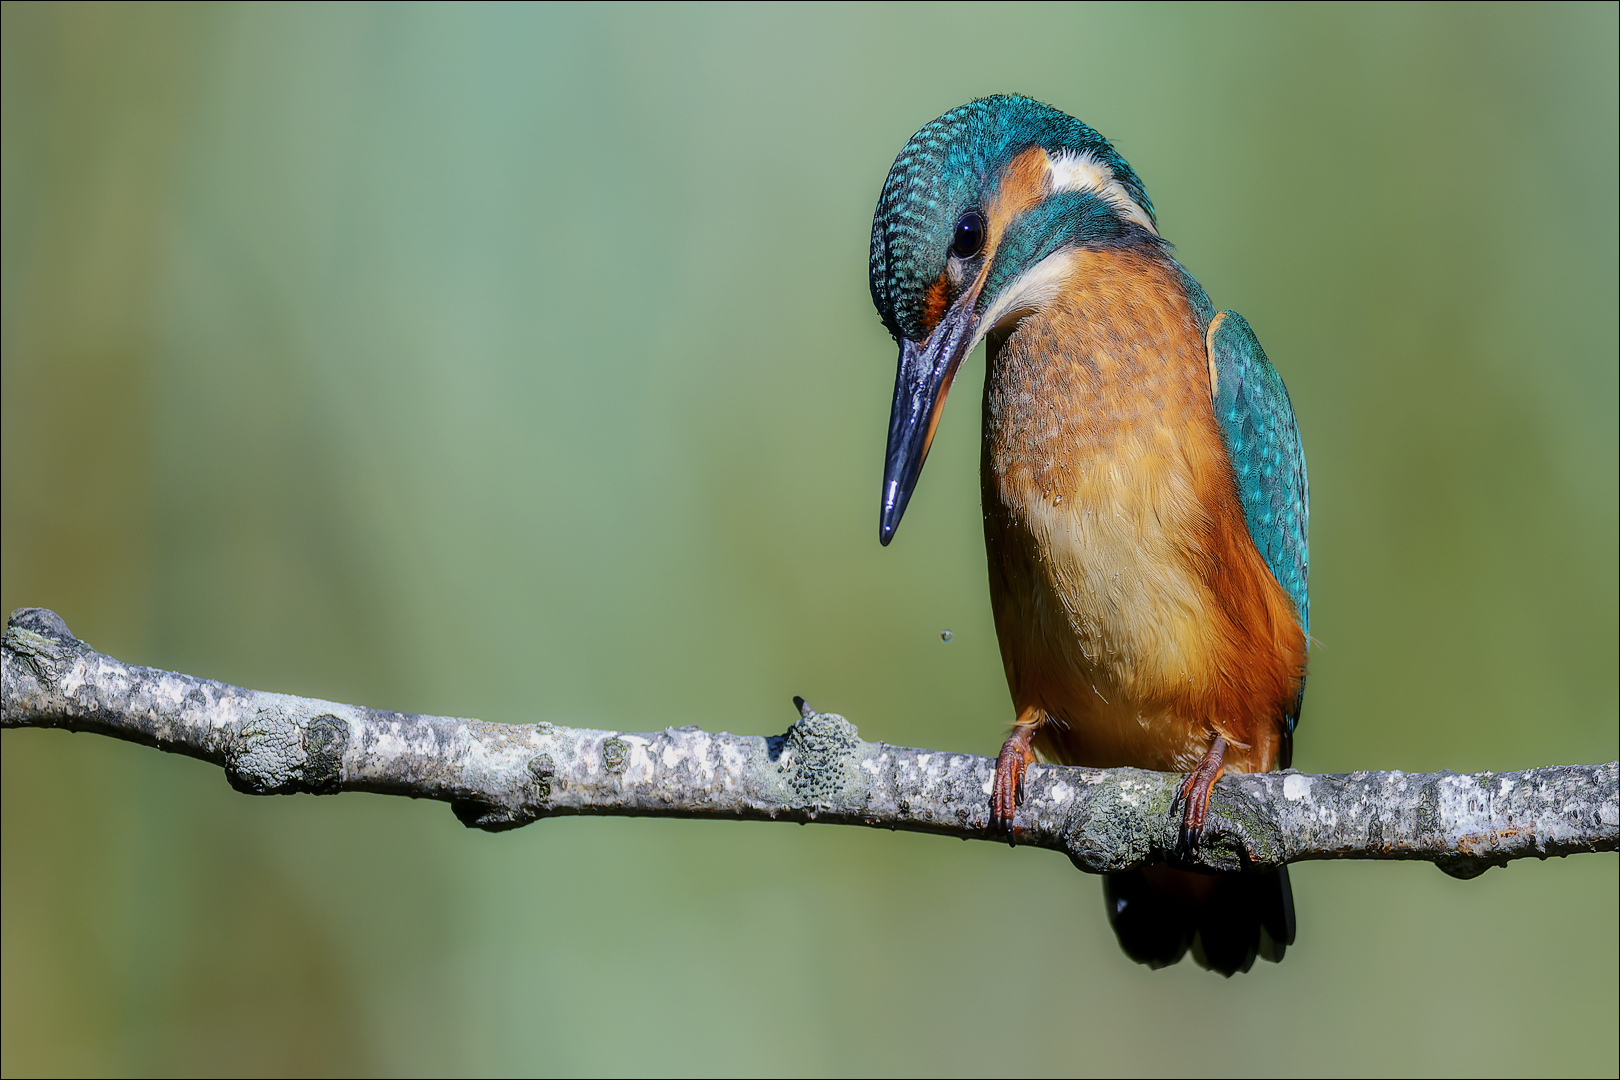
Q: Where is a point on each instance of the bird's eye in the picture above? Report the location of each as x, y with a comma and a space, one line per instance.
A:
969, 238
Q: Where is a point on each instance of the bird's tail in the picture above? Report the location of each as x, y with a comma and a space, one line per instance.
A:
1158, 913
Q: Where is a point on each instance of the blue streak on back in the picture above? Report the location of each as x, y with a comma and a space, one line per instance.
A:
1268, 458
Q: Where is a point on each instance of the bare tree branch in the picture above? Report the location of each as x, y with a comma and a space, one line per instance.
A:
500, 776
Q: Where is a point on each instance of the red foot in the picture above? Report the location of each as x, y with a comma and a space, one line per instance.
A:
1015, 757
1193, 795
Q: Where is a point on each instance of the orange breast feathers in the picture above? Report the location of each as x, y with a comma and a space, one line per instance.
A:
1137, 620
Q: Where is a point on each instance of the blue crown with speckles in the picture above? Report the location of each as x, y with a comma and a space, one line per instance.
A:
941, 173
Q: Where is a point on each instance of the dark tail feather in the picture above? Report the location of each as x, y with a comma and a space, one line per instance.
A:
1159, 913
1151, 923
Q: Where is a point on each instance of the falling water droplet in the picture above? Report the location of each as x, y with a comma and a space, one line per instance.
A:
944, 635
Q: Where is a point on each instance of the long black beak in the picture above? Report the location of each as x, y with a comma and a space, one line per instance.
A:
920, 386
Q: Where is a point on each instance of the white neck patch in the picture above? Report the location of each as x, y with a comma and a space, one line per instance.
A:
1031, 291
1070, 171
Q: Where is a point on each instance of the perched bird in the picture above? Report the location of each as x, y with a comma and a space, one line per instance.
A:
1145, 500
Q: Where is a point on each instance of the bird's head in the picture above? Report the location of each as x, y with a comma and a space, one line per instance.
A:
978, 224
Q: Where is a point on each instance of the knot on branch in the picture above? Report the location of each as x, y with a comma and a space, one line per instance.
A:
325, 740
513, 784
1136, 820
42, 642
1240, 833
273, 754
1121, 825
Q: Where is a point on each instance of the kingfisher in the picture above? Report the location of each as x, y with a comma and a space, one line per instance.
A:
1143, 484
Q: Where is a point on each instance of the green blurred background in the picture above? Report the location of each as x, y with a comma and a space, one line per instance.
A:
518, 363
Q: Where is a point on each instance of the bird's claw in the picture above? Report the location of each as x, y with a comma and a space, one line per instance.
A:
1007, 793
1191, 803
1193, 813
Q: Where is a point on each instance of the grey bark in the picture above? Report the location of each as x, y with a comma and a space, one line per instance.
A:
501, 776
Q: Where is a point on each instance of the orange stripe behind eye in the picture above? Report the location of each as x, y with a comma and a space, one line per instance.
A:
1024, 182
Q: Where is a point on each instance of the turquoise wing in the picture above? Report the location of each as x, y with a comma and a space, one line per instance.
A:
1262, 439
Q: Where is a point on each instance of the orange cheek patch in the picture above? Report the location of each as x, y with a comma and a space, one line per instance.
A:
935, 301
